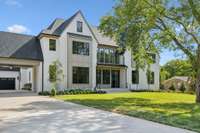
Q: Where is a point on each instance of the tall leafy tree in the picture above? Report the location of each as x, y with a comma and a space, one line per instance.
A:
150, 25
178, 68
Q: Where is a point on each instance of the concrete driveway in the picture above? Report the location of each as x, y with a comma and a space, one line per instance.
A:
28, 113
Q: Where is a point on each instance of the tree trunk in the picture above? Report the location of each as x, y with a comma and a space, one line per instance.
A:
198, 75
198, 88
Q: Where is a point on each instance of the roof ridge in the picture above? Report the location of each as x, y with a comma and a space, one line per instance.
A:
65, 23
21, 34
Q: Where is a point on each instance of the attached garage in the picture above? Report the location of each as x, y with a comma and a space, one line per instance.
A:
23, 52
7, 83
9, 80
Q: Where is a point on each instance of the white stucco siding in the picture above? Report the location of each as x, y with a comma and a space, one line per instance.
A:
64, 54
72, 27
26, 76
80, 60
49, 57
11, 74
143, 84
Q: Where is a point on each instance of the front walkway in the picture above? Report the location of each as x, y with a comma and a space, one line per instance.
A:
35, 114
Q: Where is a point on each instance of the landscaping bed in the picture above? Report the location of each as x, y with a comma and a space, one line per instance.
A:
71, 92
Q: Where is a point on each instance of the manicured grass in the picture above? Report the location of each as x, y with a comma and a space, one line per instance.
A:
174, 109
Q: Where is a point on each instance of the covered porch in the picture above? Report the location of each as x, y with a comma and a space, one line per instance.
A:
111, 76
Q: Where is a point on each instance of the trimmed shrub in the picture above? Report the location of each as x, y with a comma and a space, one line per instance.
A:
53, 92
145, 90
71, 92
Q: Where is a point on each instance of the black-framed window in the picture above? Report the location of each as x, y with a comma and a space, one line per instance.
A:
135, 77
106, 76
107, 56
79, 26
98, 76
52, 45
81, 48
80, 75
150, 77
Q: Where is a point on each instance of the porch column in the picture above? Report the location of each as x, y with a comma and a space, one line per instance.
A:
123, 78
37, 78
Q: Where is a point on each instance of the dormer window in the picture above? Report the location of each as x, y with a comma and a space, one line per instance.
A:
79, 26
52, 45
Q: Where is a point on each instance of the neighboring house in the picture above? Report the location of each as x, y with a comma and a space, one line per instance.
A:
89, 58
177, 82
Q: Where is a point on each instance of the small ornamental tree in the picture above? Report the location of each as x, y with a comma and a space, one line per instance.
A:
55, 74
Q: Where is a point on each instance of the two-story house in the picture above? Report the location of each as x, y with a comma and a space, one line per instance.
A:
89, 59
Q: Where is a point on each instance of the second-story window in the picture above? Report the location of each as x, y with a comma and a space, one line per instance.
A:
79, 26
52, 45
108, 56
81, 48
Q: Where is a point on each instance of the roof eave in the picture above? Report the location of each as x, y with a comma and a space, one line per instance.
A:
41, 35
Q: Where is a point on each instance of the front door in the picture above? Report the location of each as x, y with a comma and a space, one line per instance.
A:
115, 79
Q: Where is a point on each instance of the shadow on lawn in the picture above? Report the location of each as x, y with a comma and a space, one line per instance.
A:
184, 115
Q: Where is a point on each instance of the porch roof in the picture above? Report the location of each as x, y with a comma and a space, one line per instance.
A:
111, 65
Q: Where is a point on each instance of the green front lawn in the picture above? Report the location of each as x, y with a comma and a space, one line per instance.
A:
174, 109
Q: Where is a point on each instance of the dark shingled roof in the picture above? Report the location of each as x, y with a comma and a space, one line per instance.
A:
58, 26
13, 45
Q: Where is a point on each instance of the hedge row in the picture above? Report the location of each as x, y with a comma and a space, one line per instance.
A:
72, 92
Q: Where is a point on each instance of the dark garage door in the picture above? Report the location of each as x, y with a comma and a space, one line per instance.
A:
7, 83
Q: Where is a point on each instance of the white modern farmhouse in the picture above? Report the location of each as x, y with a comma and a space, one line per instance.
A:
89, 59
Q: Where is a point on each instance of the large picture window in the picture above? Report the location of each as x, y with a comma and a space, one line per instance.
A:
107, 56
106, 76
81, 48
135, 77
80, 75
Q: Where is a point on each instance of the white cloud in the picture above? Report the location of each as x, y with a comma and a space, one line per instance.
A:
18, 29
13, 3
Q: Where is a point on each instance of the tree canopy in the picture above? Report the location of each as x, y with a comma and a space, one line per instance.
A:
176, 68
151, 25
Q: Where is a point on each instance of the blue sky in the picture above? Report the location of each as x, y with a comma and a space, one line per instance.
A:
31, 16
